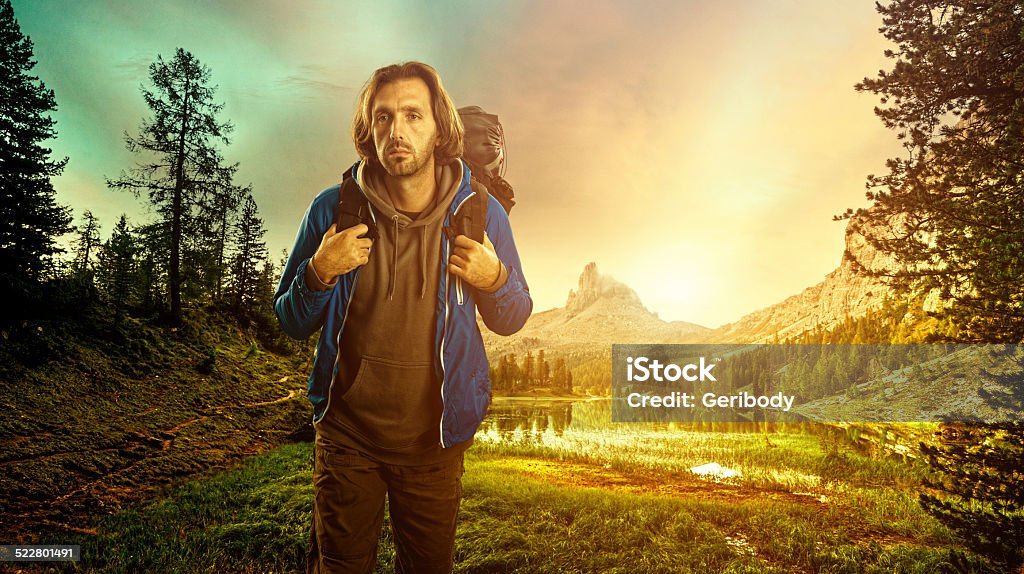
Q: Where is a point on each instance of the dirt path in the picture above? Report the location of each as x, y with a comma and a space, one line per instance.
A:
129, 470
677, 485
691, 487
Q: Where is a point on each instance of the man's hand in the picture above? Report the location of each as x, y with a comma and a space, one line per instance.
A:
341, 252
476, 263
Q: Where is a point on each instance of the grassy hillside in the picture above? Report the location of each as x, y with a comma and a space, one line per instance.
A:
93, 416
800, 504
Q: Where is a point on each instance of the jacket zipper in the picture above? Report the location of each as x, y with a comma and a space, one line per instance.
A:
444, 330
337, 340
460, 295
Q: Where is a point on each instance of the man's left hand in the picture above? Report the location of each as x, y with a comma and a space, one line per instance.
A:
476, 263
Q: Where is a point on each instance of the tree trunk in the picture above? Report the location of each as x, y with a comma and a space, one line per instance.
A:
220, 255
174, 273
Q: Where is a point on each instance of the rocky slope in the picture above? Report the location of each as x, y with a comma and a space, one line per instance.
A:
842, 292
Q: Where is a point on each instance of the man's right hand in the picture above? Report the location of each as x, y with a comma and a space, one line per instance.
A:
341, 252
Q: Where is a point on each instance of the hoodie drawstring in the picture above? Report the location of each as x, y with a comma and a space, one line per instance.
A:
423, 261
394, 260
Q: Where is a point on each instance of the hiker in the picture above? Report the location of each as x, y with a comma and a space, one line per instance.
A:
400, 379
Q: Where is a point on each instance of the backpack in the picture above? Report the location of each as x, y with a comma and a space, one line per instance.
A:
484, 152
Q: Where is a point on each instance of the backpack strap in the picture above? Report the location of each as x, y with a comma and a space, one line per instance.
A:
353, 208
496, 184
474, 216
471, 218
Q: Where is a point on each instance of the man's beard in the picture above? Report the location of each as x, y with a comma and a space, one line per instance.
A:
406, 166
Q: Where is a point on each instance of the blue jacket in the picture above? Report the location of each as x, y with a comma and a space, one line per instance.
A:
460, 361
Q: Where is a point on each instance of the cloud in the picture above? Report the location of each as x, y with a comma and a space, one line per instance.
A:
133, 68
312, 82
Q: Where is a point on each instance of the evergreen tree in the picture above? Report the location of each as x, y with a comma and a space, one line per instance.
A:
981, 477
250, 252
953, 204
543, 368
152, 270
560, 378
529, 370
116, 271
503, 375
514, 374
267, 284
222, 218
88, 242
187, 176
30, 218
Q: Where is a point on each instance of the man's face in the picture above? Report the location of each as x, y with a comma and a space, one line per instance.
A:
404, 130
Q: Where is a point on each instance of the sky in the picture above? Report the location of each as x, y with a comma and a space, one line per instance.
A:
695, 150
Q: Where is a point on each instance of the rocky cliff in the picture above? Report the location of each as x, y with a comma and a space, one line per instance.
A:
844, 291
593, 287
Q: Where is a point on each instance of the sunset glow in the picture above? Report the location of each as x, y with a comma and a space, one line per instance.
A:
696, 151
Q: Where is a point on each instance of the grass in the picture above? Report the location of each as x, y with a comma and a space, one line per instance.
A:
567, 491
804, 457
254, 518
521, 513
96, 416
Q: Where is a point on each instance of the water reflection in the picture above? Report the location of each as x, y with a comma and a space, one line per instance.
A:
527, 421
555, 422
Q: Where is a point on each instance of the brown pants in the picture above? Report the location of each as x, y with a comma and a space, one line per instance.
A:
348, 510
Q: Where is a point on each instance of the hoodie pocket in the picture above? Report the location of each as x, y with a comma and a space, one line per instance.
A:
393, 404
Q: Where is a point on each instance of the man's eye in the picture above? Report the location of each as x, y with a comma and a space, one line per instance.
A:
382, 117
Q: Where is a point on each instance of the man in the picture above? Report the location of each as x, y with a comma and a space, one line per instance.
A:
400, 380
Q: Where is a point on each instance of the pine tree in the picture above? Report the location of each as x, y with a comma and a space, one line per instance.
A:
222, 218
543, 368
152, 266
187, 176
560, 378
953, 205
955, 96
250, 252
30, 218
529, 370
267, 283
116, 272
503, 376
514, 374
88, 242
980, 474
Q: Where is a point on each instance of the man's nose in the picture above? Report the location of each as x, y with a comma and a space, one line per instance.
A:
397, 129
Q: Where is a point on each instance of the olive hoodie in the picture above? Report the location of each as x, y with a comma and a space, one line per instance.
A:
387, 392
460, 360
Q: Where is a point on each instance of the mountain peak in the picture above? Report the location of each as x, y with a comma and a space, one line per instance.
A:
594, 286
599, 313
